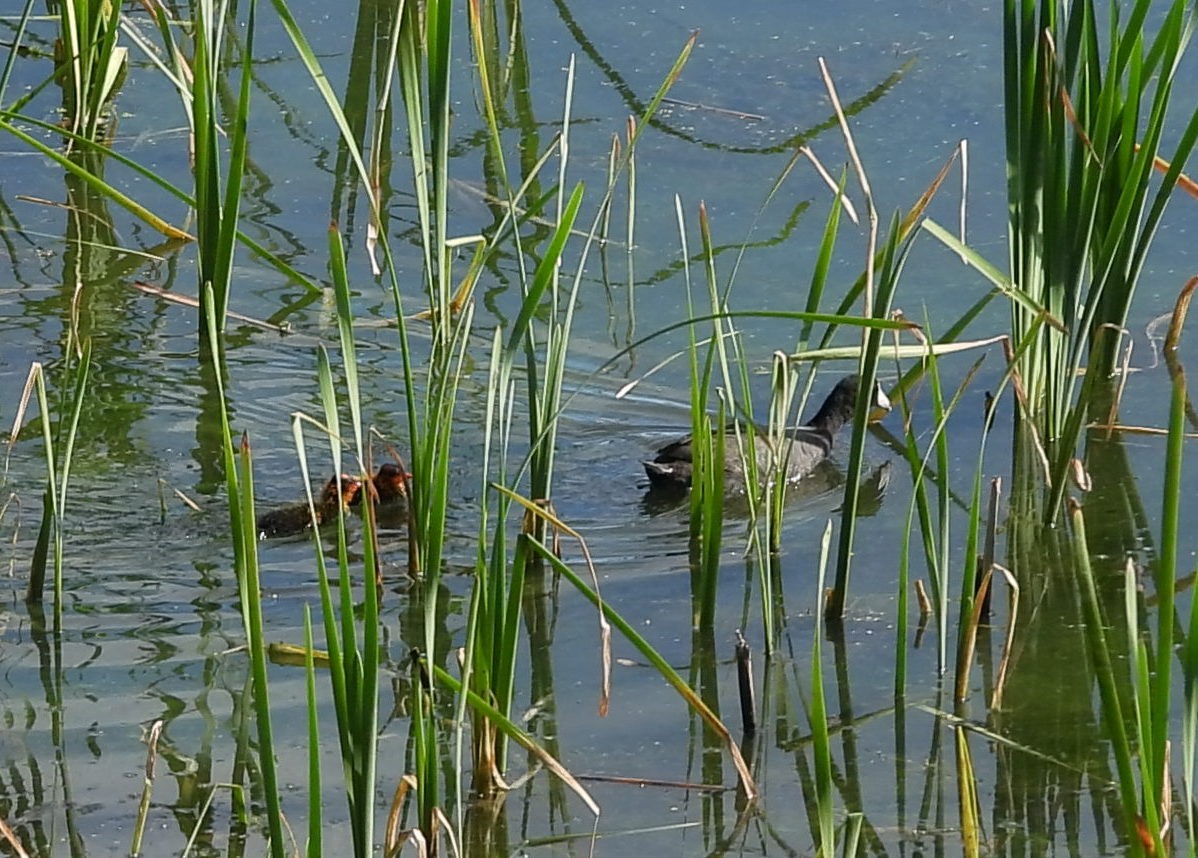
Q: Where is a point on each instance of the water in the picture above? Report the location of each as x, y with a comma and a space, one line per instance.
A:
151, 619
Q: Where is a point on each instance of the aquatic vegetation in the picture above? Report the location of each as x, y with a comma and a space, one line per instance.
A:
90, 66
58, 452
1086, 114
428, 619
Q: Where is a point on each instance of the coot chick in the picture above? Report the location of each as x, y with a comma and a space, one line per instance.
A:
391, 482
293, 519
390, 485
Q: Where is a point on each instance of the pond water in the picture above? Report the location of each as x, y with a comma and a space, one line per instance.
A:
151, 622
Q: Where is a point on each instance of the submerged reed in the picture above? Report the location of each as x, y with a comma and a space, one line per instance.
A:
58, 451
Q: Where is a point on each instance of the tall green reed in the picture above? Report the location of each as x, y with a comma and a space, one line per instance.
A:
530, 358
934, 523
250, 588
1151, 653
243, 534
892, 259
545, 403
499, 582
880, 281
89, 64
784, 380
420, 54
217, 214
217, 206
1086, 110
710, 437
423, 56
875, 288
766, 490
351, 630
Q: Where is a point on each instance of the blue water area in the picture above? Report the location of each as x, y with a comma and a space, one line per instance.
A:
151, 624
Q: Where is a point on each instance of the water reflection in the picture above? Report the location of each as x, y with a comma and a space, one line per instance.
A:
154, 413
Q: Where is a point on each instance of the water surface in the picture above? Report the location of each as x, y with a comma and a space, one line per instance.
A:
151, 617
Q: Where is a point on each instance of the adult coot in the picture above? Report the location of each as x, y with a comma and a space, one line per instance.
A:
801, 452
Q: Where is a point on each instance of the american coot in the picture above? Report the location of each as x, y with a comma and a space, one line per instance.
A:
290, 520
806, 447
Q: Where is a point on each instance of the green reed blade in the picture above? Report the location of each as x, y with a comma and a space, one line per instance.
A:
96, 184
251, 588
18, 34
484, 51
136, 209
1000, 281
315, 844
544, 388
54, 496
336, 639
711, 490
504, 662
67, 444
1171, 512
215, 355
216, 207
700, 380
438, 19
238, 135
345, 329
782, 389
823, 264
817, 713
1114, 717
207, 155
308, 57
88, 62
893, 254
35, 592
243, 534
543, 278
354, 651
1166, 578
1142, 717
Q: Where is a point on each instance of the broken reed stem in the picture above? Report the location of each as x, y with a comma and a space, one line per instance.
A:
147, 788
744, 675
